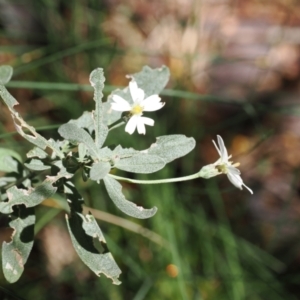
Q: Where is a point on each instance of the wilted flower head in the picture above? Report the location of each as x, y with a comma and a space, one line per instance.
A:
137, 108
224, 166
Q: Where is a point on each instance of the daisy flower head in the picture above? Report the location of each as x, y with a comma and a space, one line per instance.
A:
225, 166
136, 109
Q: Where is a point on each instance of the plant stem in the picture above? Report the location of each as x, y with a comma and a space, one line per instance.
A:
116, 125
158, 181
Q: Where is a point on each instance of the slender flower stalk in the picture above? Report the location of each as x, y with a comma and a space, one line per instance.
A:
136, 109
221, 166
158, 181
224, 166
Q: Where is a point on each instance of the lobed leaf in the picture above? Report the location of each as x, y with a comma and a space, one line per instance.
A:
34, 138
114, 190
28, 198
170, 147
90, 245
15, 253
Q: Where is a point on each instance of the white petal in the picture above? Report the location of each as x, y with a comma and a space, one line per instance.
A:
217, 150
223, 149
141, 127
236, 180
131, 124
147, 121
152, 103
233, 170
136, 93
120, 104
248, 188
141, 124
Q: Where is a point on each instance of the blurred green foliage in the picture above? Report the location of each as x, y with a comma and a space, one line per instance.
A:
215, 248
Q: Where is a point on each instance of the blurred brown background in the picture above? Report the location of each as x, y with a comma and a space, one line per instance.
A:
235, 71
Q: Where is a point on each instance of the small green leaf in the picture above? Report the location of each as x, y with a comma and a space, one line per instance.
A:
15, 253
170, 147
9, 160
90, 245
99, 170
37, 152
28, 198
114, 190
36, 165
82, 152
5, 74
152, 81
140, 163
75, 134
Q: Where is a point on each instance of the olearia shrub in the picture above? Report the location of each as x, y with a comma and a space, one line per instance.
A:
51, 165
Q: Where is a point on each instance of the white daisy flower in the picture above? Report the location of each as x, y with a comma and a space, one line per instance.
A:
223, 165
137, 108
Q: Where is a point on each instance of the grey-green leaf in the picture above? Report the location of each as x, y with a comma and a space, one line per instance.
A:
97, 81
16, 252
99, 170
9, 160
5, 74
91, 247
152, 81
37, 152
85, 121
33, 137
124, 152
37, 165
140, 163
170, 147
28, 198
114, 190
73, 133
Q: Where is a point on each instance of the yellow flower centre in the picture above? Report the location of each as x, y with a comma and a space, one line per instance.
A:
223, 167
137, 110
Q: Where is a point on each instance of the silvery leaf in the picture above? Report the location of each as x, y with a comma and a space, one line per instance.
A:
114, 190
